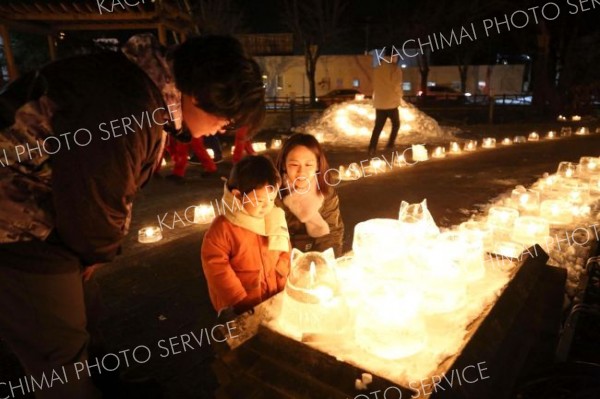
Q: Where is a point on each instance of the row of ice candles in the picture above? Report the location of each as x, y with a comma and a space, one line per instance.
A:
203, 214
530, 219
420, 153
490, 142
258, 146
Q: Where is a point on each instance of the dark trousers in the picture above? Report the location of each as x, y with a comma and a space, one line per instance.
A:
43, 320
214, 143
381, 116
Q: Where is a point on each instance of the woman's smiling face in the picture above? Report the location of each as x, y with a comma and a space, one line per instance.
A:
301, 165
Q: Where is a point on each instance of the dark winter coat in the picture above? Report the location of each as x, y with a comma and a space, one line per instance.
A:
70, 205
330, 211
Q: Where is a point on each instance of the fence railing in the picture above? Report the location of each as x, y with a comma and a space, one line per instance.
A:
285, 103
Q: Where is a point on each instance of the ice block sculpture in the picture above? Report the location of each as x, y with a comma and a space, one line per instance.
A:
390, 325
312, 302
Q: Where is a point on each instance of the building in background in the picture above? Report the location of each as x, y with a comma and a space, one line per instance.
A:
285, 76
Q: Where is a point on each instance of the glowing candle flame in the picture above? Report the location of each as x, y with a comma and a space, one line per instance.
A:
454, 147
471, 145
377, 165
524, 199
259, 146
203, 214
149, 234
439, 152
489, 142
276, 144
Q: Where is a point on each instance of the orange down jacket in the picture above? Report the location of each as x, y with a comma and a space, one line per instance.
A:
238, 266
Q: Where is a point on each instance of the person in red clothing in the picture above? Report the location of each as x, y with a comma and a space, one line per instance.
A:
246, 251
180, 152
242, 143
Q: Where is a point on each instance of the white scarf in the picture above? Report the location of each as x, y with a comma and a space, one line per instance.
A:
305, 206
272, 225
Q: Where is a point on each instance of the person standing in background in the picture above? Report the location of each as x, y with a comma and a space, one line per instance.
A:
242, 144
387, 97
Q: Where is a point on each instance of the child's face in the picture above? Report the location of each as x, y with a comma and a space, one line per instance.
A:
259, 202
301, 165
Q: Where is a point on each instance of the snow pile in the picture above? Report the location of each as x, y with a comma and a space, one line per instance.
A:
352, 122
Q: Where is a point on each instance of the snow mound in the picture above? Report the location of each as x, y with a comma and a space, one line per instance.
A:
352, 122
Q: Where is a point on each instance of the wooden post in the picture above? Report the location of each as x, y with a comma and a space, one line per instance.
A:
162, 34
13, 72
51, 47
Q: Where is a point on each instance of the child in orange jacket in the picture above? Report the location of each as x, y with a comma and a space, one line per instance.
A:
246, 251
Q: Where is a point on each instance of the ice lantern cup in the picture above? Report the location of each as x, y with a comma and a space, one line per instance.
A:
501, 220
526, 201
489, 142
439, 152
311, 300
352, 172
204, 214
566, 170
149, 234
471, 145
557, 212
589, 166
455, 148
419, 153
530, 230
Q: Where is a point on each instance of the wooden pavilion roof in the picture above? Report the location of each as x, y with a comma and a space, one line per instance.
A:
51, 16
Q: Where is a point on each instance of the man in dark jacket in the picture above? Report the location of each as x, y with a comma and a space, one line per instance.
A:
78, 139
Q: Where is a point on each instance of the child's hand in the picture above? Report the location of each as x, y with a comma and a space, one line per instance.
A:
227, 314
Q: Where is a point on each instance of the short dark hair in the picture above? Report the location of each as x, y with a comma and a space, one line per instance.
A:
309, 141
222, 78
252, 172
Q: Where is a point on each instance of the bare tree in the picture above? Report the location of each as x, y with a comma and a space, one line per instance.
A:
217, 16
315, 23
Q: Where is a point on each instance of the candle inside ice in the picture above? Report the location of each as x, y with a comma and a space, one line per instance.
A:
489, 142
454, 148
471, 145
419, 152
439, 152
203, 214
259, 146
276, 144
149, 234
